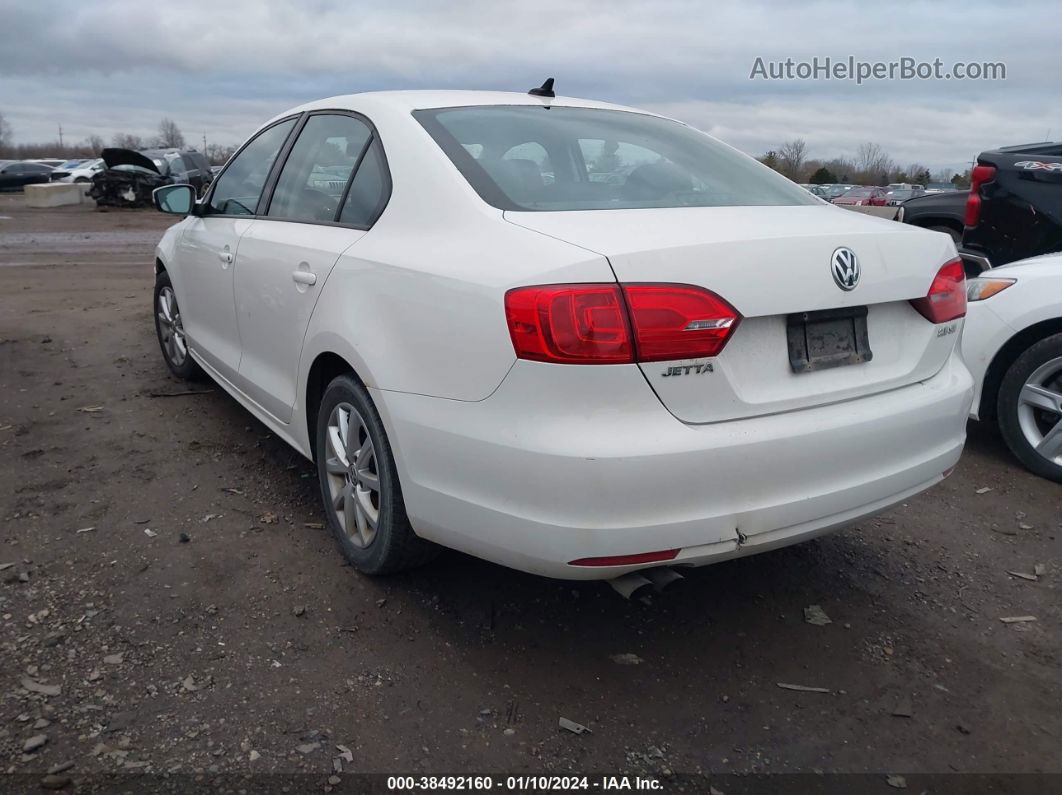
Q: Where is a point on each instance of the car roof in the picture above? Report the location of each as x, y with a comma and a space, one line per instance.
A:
408, 101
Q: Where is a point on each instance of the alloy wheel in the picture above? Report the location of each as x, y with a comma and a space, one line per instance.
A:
171, 330
1040, 410
353, 477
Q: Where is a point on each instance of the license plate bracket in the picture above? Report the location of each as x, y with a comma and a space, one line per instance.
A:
828, 338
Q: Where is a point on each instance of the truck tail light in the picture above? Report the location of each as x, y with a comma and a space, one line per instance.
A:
617, 324
978, 177
946, 299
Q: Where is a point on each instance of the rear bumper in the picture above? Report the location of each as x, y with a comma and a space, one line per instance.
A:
563, 463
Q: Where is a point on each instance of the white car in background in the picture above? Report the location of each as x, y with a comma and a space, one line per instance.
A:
82, 172
484, 348
1013, 346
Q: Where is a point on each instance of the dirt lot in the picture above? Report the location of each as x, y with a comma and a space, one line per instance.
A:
166, 571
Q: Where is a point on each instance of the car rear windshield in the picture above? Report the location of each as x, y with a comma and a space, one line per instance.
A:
558, 158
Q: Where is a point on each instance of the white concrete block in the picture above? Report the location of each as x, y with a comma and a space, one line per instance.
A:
53, 194
880, 212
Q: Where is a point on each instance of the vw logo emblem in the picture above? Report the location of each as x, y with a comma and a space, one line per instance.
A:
845, 268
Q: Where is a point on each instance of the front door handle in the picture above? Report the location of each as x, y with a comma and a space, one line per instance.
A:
304, 277
225, 256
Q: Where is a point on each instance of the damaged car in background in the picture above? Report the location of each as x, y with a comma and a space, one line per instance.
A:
127, 180
129, 177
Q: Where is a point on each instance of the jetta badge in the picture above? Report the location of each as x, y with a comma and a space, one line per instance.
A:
845, 267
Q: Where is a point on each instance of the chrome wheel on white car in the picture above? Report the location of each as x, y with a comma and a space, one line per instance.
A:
1030, 407
170, 330
1040, 410
359, 483
353, 481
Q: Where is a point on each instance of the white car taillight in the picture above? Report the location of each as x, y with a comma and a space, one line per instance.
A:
617, 324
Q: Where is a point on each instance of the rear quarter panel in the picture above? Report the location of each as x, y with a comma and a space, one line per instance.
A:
423, 310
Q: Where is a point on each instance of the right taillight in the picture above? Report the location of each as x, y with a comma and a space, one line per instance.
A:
978, 177
617, 324
946, 299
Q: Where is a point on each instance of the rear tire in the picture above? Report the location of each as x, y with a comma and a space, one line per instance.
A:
170, 331
1029, 408
955, 234
359, 484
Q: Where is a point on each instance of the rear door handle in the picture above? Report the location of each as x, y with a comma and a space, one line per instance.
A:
304, 277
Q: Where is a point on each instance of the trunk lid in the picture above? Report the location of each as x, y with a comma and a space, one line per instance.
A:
769, 263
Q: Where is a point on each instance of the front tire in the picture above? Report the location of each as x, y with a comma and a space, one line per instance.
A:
170, 330
1030, 408
359, 484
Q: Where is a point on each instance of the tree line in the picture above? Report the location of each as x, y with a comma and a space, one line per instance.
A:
168, 136
871, 165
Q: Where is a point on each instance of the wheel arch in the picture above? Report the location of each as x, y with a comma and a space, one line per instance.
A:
937, 220
326, 366
1006, 356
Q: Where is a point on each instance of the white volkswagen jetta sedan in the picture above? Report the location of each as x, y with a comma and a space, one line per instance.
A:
1013, 346
573, 338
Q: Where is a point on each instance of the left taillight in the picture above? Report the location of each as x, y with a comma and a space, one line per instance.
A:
617, 324
946, 299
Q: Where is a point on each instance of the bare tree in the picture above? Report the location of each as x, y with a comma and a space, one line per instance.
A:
6, 134
843, 169
94, 144
791, 158
218, 154
770, 159
872, 161
170, 135
127, 141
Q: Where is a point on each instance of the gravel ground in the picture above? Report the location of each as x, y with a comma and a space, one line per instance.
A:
171, 603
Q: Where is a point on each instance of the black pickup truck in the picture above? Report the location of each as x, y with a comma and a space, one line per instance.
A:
1014, 207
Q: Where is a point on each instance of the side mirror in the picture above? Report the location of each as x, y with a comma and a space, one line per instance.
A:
174, 199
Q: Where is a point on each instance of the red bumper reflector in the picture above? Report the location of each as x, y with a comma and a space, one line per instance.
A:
627, 560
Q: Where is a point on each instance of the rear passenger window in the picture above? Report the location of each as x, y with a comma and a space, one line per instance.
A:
368, 191
313, 179
237, 190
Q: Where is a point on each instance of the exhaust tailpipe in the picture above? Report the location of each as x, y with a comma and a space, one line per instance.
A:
661, 577
627, 585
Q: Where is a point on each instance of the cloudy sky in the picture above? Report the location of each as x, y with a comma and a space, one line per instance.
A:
220, 68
